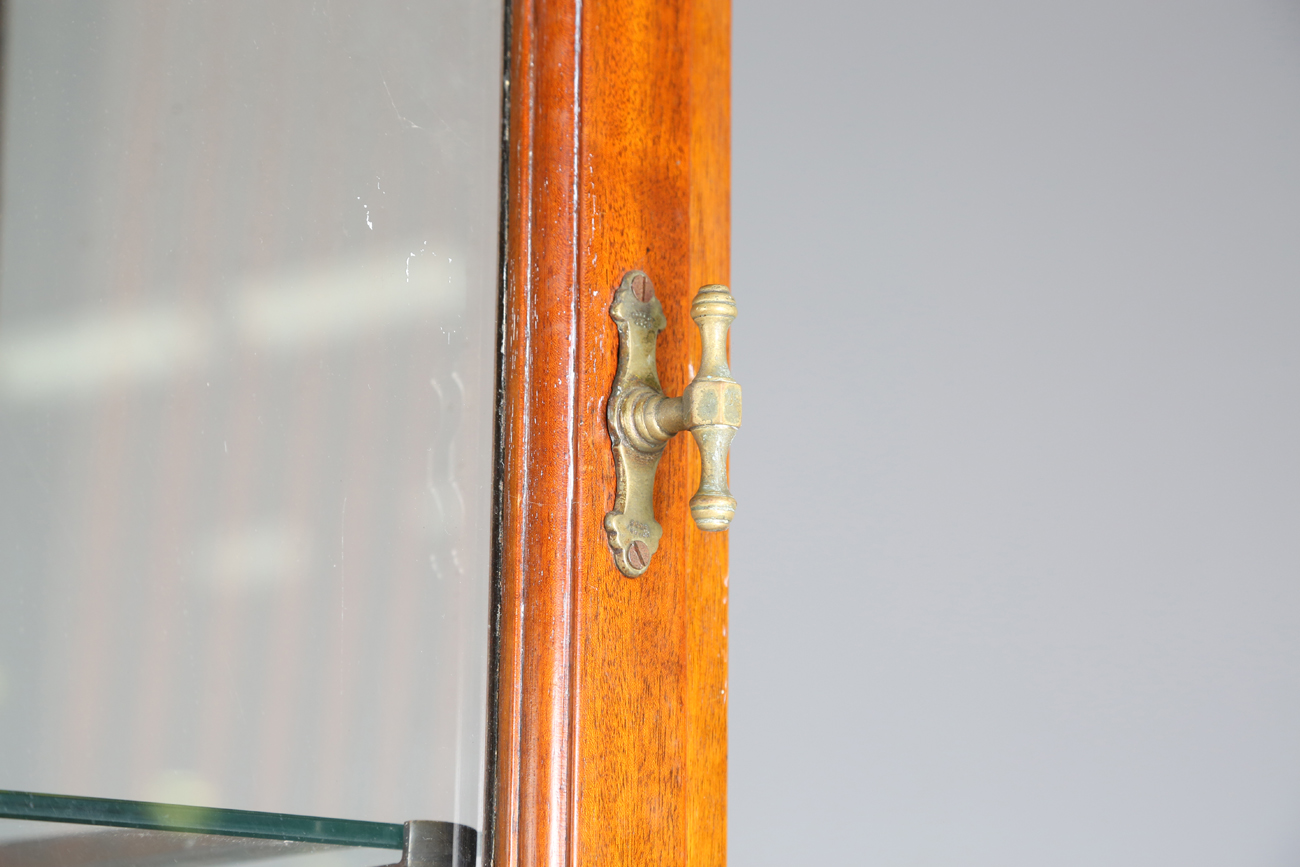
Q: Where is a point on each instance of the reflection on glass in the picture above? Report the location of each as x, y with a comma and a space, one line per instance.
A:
247, 315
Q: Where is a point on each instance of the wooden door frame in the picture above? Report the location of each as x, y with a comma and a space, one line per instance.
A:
607, 694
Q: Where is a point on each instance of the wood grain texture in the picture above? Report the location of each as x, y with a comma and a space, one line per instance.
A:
610, 692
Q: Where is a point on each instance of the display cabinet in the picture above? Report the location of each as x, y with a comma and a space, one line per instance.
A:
306, 355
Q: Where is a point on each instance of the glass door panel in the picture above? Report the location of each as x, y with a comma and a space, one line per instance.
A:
248, 277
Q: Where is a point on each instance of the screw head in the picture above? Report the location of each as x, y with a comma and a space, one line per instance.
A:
638, 555
643, 289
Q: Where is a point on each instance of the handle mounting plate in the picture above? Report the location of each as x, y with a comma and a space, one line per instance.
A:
633, 531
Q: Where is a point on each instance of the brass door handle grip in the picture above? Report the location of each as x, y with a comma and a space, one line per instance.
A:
642, 418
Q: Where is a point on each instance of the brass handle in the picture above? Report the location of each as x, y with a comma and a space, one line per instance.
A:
642, 418
713, 408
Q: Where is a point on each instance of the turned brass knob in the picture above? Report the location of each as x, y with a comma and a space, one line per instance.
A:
642, 418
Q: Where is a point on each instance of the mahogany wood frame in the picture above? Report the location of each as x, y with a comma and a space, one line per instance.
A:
608, 742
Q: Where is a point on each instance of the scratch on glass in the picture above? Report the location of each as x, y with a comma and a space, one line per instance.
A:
391, 102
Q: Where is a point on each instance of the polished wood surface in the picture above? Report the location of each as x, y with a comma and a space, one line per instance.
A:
609, 692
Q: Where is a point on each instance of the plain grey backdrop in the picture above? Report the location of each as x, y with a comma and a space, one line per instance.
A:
1016, 568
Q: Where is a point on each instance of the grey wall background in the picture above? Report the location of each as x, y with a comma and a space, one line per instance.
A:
1016, 576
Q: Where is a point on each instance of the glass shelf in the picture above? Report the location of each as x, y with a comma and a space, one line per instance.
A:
147, 833
145, 815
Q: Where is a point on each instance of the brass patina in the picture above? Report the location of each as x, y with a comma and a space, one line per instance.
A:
642, 418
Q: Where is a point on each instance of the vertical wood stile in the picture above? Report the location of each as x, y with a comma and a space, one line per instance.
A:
610, 692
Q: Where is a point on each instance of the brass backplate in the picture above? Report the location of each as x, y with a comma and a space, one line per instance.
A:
633, 531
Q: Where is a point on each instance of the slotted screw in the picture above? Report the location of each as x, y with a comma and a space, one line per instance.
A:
643, 289
638, 554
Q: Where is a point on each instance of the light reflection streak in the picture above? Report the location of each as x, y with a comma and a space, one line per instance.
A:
285, 313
